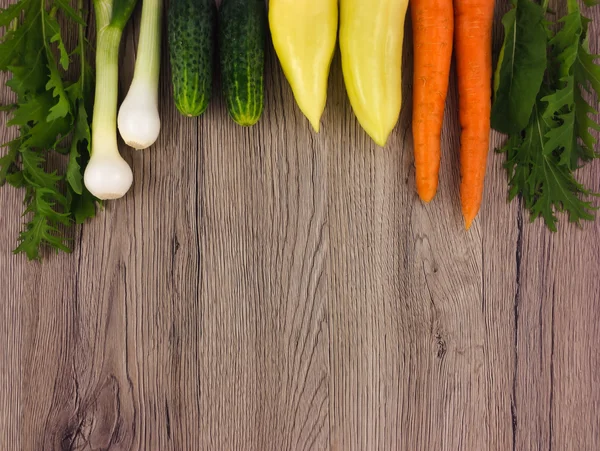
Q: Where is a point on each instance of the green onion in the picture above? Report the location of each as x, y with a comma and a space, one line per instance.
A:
139, 120
107, 175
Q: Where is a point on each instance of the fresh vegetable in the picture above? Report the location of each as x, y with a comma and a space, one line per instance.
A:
520, 70
433, 31
473, 21
371, 37
107, 175
50, 108
304, 34
192, 38
550, 131
242, 34
138, 119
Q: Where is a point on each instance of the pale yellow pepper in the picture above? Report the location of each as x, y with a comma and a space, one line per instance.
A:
371, 36
304, 34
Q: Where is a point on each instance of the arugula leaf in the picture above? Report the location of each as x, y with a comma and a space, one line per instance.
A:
536, 174
16, 179
18, 43
55, 82
567, 105
584, 124
40, 230
9, 14
543, 155
83, 207
585, 69
43, 198
82, 203
70, 12
520, 68
34, 110
81, 139
8, 163
50, 109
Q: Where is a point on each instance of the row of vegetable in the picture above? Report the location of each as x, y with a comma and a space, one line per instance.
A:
544, 75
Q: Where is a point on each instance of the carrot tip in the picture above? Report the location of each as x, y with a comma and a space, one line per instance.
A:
468, 222
426, 197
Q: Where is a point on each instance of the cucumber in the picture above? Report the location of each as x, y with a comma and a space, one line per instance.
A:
242, 35
192, 38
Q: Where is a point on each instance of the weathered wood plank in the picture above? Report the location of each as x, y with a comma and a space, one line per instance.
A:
264, 334
411, 335
501, 238
556, 309
11, 293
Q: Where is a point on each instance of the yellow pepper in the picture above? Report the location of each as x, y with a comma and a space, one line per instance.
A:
371, 35
304, 34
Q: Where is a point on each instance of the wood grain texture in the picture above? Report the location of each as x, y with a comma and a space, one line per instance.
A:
11, 292
274, 289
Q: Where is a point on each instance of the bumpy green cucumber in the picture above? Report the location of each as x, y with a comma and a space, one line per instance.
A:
242, 35
192, 40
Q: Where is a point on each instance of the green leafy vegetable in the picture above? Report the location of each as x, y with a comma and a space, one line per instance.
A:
50, 109
538, 176
520, 68
544, 154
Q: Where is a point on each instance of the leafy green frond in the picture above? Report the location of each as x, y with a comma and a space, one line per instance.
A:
50, 109
542, 156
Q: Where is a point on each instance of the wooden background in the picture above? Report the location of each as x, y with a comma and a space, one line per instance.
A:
274, 289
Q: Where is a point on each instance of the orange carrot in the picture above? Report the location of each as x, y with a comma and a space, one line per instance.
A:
473, 42
433, 27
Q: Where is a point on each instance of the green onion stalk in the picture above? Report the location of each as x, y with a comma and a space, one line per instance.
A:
139, 120
107, 175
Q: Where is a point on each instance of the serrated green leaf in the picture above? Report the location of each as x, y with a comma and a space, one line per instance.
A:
48, 135
47, 199
8, 161
27, 80
44, 202
54, 33
569, 112
34, 109
547, 186
55, 82
587, 70
70, 12
64, 55
569, 32
47, 113
32, 113
81, 140
558, 100
42, 230
34, 172
82, 207
8, 108
16, 179
12, 12
18, 45
562, 137
521, 68
11, 48
584, 124
62, 107
41, 133
74, 176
